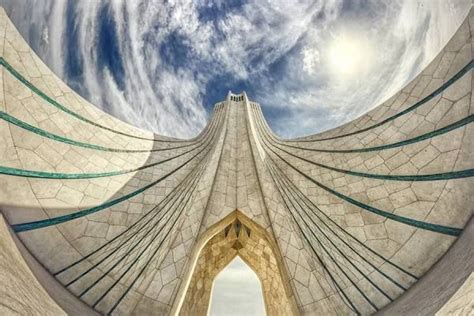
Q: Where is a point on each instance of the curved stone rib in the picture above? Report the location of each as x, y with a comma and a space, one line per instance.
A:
446, 129
65, 218
459, 174
58, 105
150, 216
60, 175
452, 231
332, 258
12, 120
309, 203
429, 97
320, 226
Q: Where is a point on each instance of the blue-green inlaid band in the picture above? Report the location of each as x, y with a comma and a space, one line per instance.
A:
467, 120
172, 197
194, 185
65, 218
144, 267
459, 174
10, 119
308, 226
56, 104
316, 253
443, 87
150, 231
452, 231
60, 175
310, 205
297, 198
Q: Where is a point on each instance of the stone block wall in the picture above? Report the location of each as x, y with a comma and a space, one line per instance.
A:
253, 246
121, 217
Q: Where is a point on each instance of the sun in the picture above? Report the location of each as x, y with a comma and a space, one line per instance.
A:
348, 55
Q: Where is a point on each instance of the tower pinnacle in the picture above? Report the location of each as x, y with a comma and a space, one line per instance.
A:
100, 217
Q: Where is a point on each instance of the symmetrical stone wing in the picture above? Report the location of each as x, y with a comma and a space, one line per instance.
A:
112, 219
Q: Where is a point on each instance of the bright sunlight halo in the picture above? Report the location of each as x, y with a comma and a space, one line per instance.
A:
348, 55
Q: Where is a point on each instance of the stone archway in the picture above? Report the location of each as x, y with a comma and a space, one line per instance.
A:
239, 237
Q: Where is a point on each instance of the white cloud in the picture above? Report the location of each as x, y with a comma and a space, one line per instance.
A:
311, 60
45, 36
55, 57
246, 44
397, 40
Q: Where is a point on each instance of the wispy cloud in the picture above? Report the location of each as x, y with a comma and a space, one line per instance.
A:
161, 65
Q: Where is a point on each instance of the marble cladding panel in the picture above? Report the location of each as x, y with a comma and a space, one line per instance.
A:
461, 303
354, 215
218, 252
162, 283
427, 201
456, 55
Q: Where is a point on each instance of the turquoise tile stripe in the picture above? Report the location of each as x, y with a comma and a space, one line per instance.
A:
328, 252
60, 175
65, 218
12, 120
142, 222
467, 120
146, 265
317, 253
429, 97
147, 231
174, 196
452, 231
307, 204
61, 107
459, 174
310, 205
389, 177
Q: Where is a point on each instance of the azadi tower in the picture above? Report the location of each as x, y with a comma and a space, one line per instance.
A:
100, 217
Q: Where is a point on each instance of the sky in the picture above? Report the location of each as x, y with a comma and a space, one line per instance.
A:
237, 291
162, 65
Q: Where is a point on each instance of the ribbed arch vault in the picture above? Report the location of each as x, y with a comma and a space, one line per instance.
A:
238, 236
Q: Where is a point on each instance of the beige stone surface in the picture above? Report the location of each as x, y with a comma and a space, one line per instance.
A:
251, 243
20, 293
341, 222
462, 302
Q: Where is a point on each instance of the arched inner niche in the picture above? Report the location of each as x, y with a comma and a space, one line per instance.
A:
239, 236
237, 291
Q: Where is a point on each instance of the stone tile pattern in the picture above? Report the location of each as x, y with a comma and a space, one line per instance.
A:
255, 249
462, 302
446, 202
137, 256
18, 282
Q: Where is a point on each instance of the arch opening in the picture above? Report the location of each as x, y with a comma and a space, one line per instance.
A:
237, 290
238, 236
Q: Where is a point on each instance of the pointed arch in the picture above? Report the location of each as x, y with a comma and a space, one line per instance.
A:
237, 235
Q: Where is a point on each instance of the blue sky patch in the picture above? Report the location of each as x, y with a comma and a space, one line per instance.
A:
73, 63
108, 49
311, 65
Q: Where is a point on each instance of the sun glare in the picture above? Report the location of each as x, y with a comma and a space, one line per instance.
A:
348, 55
